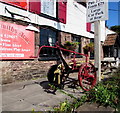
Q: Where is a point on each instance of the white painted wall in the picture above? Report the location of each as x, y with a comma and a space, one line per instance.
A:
104, 31
76, 19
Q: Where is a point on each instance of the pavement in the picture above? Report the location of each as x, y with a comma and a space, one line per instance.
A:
34, 94
37, 95
94, 108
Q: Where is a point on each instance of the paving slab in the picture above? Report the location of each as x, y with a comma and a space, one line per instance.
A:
8, 100
93, 107
18, 106
34, 94
37, 95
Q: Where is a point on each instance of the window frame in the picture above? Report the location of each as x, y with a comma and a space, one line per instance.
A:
47, 53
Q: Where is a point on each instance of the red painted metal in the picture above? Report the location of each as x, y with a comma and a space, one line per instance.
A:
86, 72
40, 51
57, 46
87, 76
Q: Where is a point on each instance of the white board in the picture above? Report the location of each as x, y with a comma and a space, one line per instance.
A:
97, 10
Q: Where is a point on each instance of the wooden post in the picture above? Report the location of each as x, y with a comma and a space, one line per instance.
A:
97, 42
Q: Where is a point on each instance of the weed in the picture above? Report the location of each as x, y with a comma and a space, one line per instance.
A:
106, 93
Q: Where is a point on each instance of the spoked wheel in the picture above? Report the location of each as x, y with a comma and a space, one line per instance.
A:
87, 76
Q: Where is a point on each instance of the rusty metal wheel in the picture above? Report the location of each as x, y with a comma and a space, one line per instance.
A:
87, 76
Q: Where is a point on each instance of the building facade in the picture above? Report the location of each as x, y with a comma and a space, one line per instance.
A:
55, 21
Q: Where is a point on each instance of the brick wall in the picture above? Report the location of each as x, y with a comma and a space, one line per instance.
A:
64, 37
84, 42
12, 71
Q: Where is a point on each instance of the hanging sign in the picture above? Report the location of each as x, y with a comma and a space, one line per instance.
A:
19, 3
15, 41
97, 10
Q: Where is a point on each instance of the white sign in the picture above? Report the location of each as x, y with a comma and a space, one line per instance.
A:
97, 10
48, 7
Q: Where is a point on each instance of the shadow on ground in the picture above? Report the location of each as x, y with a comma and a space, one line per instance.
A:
47, 88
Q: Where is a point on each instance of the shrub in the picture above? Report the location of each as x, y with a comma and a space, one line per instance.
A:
106, 93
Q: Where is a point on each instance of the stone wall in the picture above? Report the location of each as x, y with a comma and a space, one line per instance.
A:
64, 37
84, 42
12, 71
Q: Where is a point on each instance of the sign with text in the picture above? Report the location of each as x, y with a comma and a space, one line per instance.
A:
15, 41
18, 3
97, 10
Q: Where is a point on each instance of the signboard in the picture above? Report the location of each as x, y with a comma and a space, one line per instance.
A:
48, 7
97, 10
15, 41
18, 3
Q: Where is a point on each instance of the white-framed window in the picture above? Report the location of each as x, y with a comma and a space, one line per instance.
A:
48, 7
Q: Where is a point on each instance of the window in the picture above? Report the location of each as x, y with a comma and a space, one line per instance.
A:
48, 38
51, 9
108, 51
48, 7
92, 53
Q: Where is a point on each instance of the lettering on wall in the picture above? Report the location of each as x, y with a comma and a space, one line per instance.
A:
15, 41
